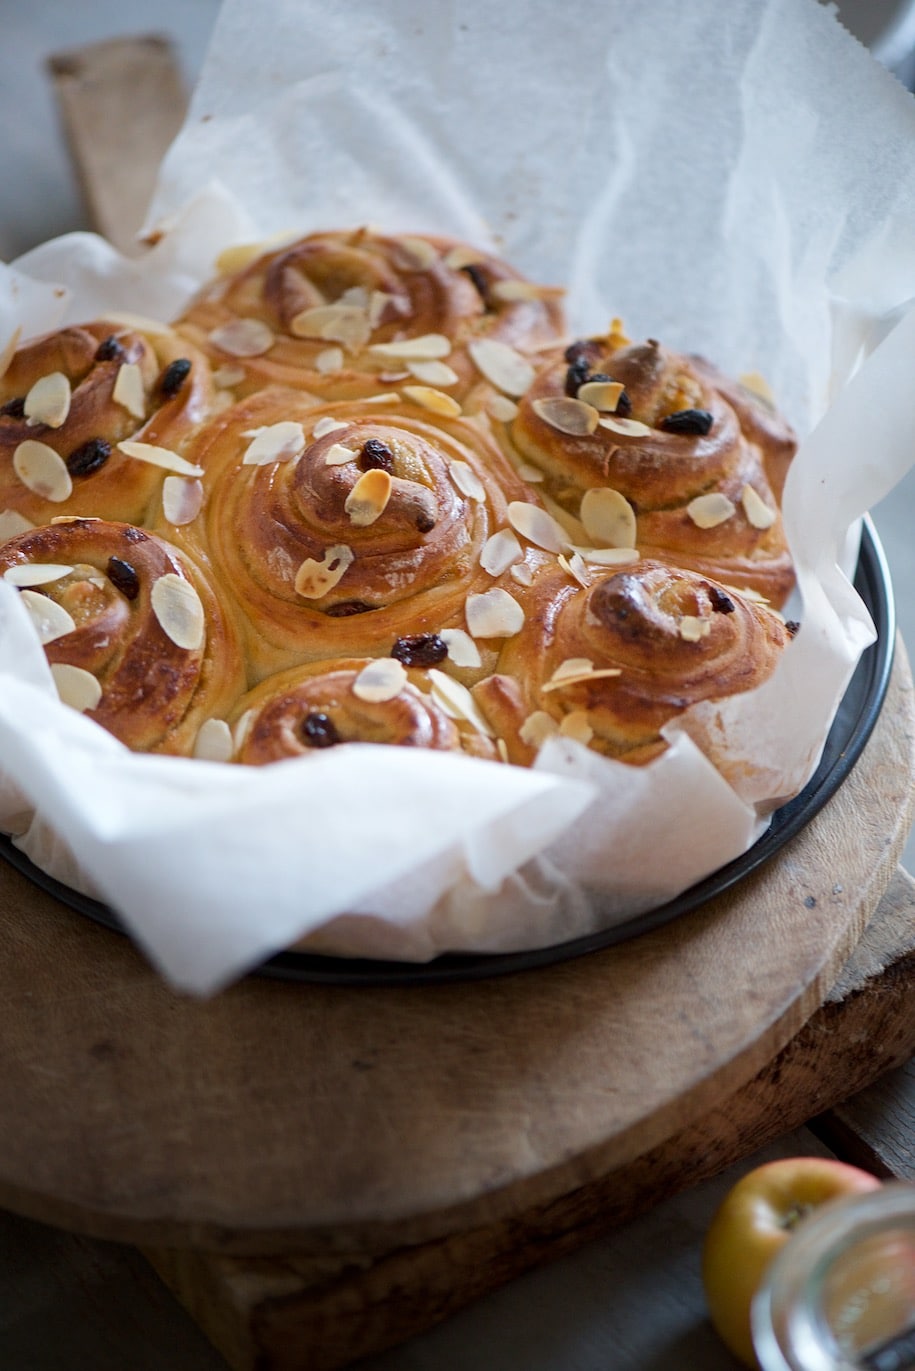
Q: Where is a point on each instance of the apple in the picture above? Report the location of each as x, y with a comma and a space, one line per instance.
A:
754, 1220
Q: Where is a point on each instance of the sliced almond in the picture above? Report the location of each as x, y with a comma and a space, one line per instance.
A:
537, 526
604, 674
575, 725
378, 303
537, 727
603, 395
41, 469
214, 741
462, 650
493, 614
708, 511
368, 498
329, 361
426, 347
575, 567
227, 376
436, 401
387, 397
572, 666
179, 611
533, 475
608, 556
48, 401
567, 415
182, 499
523, 574
159, 457
327, 424
338, 323
51, 620
338, 454
500, 551
314, 579
510, 291
275, 443
627, 428
462, 256
692, 629
414, 254
243, 338
76, 687
502, 408
12, 522
129, 390
755, 508
35, 573
242, 729
380, 681
757, 384
608, 517
8, 351
467, 480
457, 702
354, 295
501, 365
433, 373
502, 749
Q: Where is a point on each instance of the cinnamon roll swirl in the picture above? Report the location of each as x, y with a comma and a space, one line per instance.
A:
335, 314
337, 530
610, 665
70, 398
366, 700
688, 454
135, 634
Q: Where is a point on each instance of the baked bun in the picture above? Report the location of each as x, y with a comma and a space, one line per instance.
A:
331, 313
656, 428
134, 631
612, 663
70, 398
338, 529
366, 700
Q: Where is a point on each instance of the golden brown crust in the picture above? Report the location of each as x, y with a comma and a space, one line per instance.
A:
637, 451
172, 395
309, 708
155, 693
635, 649
380, 289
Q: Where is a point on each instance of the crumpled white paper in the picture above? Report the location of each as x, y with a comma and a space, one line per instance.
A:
709, 173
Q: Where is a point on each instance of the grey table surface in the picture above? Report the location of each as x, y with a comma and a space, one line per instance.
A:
630, 1300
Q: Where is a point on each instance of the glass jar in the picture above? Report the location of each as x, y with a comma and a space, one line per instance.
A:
840, 1295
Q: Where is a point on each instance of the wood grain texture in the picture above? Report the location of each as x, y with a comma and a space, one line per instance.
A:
121, 104
295, 1311
319, 1119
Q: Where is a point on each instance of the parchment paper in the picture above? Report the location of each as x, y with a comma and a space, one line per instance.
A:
736, 180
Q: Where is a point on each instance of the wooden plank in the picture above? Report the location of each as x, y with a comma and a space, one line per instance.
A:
121, 103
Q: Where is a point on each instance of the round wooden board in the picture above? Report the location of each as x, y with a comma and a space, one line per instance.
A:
317, 1118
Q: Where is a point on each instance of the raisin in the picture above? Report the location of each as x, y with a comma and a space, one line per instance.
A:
721, 603
623, 406
425, 523
576, 376
481, 285
420, 649
123, 577
14, 409
346, 608
88, 457
692, 421
792, 626
376, 455
319, 731
174, 377
577, 352
110, 350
